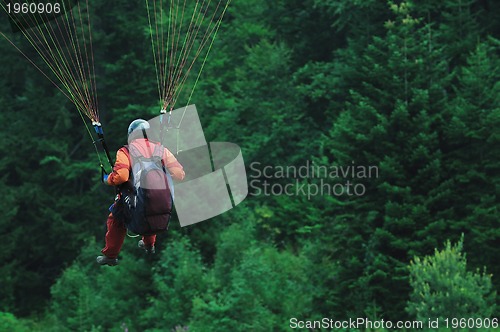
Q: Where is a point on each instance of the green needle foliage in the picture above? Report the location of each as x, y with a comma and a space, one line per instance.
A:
410, 87
441, 285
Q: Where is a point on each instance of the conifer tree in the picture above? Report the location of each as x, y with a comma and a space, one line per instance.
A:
470, 152
391, 120
441, 286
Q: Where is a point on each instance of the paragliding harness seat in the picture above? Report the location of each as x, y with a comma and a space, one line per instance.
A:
144, 203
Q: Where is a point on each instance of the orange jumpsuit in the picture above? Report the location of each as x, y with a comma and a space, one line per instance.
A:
117, 231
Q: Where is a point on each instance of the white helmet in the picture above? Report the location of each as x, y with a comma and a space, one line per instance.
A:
137, 124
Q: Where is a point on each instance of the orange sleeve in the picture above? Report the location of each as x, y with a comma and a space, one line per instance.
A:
174, 167
121, 170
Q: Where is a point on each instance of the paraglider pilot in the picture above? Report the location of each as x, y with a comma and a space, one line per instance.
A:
116, 229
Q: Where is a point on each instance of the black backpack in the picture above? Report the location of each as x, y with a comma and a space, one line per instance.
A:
145, 202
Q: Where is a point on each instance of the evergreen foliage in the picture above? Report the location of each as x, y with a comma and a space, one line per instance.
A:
442, 285
410, 87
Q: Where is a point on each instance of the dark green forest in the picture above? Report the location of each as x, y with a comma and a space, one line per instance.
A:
411, 89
